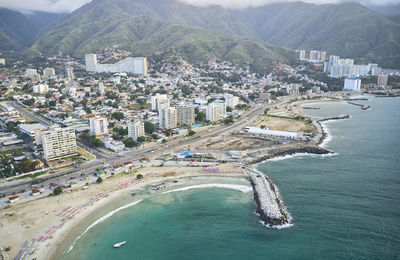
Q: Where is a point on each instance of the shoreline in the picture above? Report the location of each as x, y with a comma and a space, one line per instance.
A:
72, 229
103, 211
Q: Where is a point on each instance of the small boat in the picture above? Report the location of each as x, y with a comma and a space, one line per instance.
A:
119, 244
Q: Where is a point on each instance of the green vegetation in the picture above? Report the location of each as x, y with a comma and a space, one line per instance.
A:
99, 180
149, 127
118, 115
129, 142
57, 191
91, 140
139, 176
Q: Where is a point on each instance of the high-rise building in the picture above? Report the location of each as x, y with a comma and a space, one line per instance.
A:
231, 100
69, 73
135, 129
382, 81
98, 126
186, 115
3, 61
136, 65
168, 118
213, 112
352, 84
158, 100
101, 88
40, 88
302, 55
59, 143
49, 72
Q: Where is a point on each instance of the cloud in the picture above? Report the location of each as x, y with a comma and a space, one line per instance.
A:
62, 6
53, 6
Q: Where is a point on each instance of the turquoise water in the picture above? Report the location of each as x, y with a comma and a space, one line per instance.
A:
344, 207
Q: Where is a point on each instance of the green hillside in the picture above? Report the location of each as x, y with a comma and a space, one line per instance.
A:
349, 30
145, 33
19, 31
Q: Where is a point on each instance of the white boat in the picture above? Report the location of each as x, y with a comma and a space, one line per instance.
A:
119, 244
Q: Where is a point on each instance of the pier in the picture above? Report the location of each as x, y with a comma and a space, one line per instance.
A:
269, 204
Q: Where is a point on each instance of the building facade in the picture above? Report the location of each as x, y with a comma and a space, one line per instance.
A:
59, 143
168, 118
186, 115
40, 88
136, 65
352, 84
135, 129
98, 126
213, 112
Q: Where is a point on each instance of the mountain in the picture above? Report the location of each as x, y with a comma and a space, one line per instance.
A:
146, 27
349, 30
18, 31
388, 9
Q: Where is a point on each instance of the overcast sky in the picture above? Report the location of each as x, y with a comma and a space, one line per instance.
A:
60, 6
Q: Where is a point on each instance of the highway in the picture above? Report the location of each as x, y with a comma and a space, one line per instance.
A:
151, 152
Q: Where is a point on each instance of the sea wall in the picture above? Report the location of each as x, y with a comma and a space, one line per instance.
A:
269, 204
280, 152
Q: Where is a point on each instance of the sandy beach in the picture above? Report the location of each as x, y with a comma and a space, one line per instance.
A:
51, 219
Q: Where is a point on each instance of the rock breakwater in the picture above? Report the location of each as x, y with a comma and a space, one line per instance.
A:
269, 204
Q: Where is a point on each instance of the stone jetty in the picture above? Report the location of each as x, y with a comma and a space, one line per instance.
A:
269, 203
291, 150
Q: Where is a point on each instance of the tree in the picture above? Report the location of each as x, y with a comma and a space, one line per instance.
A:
149, 127
129, 142
118, 115
139, 176
191, 132
229, 120
228, 109
154, 136
141, 139
57, 191
99, 180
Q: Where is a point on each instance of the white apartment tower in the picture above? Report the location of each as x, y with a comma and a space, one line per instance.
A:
49, 72
168, 118
98, 126
59, 143
213, 112
186, 115
40, 88
352, 84
135, 129
136, 65
158, 102
69, 73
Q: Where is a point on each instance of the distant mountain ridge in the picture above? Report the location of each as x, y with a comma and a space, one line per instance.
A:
145, 26
19, 31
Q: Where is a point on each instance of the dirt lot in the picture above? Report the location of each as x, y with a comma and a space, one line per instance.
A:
234, 143
284, 124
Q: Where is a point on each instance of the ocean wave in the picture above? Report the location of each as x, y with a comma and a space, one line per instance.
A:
242, 188
100, 220
290, 156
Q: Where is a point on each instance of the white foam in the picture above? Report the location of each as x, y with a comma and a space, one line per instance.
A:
279, 158
242, 188
101, 220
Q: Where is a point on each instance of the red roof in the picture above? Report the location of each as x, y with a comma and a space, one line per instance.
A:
13, 197
53, 184
116, 166
126, 163
35, 191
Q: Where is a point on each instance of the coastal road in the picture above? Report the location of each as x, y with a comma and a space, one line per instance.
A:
134, 155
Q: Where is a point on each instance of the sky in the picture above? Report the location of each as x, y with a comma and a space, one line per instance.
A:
65, 6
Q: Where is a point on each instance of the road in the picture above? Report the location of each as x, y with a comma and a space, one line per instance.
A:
151, 152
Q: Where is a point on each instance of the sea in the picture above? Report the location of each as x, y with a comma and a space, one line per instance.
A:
343, 206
